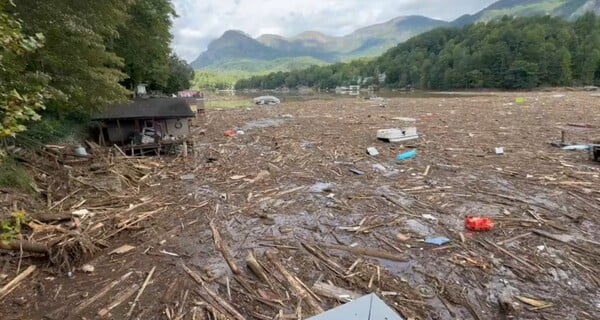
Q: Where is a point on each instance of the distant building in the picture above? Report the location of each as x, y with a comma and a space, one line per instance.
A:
190, 94
195, 98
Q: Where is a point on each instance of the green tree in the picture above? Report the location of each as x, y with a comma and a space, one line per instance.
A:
83, 74
513, 53
180, 75
22, 93
144, 41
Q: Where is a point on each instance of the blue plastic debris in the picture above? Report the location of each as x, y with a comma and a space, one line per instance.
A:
407, 155
437, 240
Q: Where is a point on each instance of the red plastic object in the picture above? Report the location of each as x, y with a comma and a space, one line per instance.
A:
230, 133
479, 224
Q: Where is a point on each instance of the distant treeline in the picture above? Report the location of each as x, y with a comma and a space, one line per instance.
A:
510, 53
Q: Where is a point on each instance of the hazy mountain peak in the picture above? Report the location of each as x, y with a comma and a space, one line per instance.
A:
239, 49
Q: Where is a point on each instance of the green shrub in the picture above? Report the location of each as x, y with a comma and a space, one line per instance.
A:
14, 176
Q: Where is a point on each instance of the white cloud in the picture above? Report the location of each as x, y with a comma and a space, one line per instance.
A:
201, 21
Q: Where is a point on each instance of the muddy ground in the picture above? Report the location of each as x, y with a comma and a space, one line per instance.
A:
259, 189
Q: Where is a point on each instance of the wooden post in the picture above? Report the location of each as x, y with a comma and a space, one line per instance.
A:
120, 132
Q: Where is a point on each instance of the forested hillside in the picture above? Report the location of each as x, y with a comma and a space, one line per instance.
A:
63, 59
509, 53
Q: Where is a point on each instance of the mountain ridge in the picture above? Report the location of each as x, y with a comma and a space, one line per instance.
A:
367, 41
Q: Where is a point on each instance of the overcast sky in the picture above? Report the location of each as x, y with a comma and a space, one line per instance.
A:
201, 21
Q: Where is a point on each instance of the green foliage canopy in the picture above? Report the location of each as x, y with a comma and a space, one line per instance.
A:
509, 53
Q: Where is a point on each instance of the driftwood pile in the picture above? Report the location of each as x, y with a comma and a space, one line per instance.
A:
88, 201
293, 217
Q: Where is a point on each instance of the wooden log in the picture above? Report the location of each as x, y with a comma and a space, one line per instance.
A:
137, 297
224, 304
9, 287
371, 252
118, 300
45, 217
328, 262
222, 247
330, 291
221, 305
25, 246
257, 269
314, 307
97, 296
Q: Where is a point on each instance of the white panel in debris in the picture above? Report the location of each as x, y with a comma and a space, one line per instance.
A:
398, 135
369, 307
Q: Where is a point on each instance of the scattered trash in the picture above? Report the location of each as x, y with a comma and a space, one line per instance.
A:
398, 135
267, 100
307, 145
261, 175
82, 213
287, 116
230, 133
437, 240
322, 187
372, 151
406, 155
582, 125
187, 177
429, 217
87, 268
577, 147
402, 237
500, 150
405, 119
520, 100
479, 224
80, 152
595, 152
357, 172
558, 96
122, 249
379, 167
262, 123
426, 291
240, 132
534, 302
237, 177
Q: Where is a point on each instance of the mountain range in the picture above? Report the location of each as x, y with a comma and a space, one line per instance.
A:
238, 51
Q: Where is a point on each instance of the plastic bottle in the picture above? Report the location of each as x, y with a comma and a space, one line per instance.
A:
406, 155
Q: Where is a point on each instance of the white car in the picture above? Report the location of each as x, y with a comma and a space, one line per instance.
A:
270, 100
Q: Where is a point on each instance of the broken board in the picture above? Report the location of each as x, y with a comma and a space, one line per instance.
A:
398, 135
368, 307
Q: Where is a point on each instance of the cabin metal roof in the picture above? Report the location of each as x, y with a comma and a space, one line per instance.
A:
368, 307
147, 108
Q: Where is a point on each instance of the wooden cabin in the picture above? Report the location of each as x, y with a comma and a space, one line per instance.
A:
146, 121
